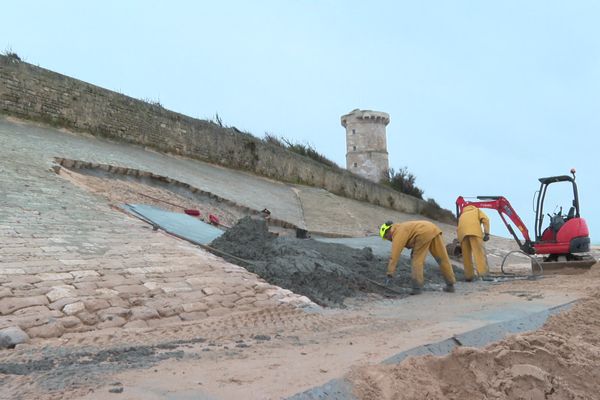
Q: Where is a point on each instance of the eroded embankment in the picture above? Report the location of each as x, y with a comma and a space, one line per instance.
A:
559, 361
327, 273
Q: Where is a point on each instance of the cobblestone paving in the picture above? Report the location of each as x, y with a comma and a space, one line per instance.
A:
68, 263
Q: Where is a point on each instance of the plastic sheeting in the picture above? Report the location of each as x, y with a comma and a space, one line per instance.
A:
178, 224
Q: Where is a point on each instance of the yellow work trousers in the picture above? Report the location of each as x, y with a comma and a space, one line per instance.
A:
472, 247
438, 250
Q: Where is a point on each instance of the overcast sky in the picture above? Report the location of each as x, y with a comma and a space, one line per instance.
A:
484, 97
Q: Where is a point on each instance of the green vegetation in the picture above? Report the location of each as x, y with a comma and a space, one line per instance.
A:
305, 150
403, 181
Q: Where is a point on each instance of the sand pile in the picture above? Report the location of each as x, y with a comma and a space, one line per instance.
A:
559, 361
327, 273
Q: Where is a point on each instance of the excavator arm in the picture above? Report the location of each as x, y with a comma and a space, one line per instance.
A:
502, 205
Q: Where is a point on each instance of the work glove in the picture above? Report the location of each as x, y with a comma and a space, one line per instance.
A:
486, 237
388, 279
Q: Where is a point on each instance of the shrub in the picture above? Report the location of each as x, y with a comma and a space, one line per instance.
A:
433, 210
403, 181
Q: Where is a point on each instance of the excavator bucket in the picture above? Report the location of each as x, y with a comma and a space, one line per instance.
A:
563, 266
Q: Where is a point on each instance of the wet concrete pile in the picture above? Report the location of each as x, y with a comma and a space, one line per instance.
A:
327, 273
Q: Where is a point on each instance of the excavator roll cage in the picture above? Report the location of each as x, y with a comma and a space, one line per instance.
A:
541, 196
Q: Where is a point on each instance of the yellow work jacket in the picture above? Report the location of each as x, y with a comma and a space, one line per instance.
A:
411, 234
469, 223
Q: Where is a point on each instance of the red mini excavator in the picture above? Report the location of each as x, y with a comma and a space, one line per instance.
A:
561, 243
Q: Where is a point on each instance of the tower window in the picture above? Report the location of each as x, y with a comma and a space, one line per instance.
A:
354, 131
354, 148
355, 165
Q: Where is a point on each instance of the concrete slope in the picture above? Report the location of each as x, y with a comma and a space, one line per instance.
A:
309, 207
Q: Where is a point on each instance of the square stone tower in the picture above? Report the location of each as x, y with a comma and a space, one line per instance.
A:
366, 143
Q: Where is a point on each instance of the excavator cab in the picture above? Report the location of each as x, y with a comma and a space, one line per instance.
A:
565, 233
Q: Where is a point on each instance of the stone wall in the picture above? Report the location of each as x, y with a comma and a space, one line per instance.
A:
34, 93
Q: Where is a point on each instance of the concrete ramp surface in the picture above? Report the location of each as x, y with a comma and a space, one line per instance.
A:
178, 224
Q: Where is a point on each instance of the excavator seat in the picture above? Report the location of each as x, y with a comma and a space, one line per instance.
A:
556, 222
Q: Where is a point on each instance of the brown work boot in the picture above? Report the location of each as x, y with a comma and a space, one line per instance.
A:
449, 288
415, 290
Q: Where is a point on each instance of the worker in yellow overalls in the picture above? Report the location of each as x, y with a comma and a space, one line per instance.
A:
471, 239
421, 237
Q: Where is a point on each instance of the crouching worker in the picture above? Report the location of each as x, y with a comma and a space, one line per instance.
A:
471, 240
421, 237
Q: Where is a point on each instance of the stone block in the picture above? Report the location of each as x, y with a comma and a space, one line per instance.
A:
70, 322
74, 308
112, 321
230, 290
26, 321
167, 311
118, 302
114, 311
86, 286
23, 280
227, 304
176, 289
9, 305
88, 318
59, 304
143, 313
12, 336
84, 273
50, 330
60, 292
152, 285
230, 298
95, 304
5, 292
131, 289
50, 276
32, 310
209, 291
245, 300
30, 292
262, 286
105, 292
190, 307
193, 316
261, 296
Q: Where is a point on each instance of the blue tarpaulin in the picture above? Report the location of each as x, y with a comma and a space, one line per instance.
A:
178, 224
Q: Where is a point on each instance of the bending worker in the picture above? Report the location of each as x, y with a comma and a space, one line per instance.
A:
471, 240
420, 236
